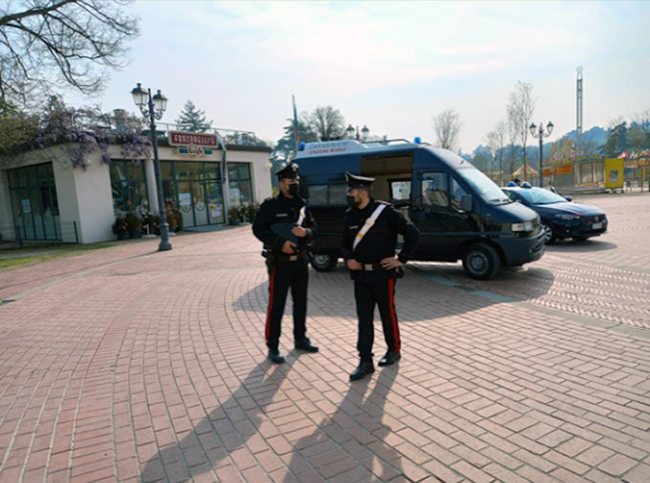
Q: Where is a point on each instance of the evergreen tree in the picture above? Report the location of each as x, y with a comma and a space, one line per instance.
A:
193, 119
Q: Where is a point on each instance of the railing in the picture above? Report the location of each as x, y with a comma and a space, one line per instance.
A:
20, 236
230, 136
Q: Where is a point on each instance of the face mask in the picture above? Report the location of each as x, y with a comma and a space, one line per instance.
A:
293, 189
352, 203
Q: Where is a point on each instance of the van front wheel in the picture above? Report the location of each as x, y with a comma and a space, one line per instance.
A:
481, 262
323, 262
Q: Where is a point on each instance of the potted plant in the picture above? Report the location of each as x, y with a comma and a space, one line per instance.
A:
174, 217
120, 228
134, 223
252, 209
234, 214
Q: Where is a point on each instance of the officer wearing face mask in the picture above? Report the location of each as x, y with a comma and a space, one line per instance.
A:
368, 247
286, 227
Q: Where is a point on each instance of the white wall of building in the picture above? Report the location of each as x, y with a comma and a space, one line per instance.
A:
85, 195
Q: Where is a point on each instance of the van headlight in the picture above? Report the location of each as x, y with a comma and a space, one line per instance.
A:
526, 226
567, 217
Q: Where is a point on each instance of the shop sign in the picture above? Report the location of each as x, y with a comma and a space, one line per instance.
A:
564, 169
195, 150
185, 139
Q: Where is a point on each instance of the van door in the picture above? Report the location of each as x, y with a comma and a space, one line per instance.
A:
439, 215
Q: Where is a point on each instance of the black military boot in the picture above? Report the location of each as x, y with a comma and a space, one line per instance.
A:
306, 345
275, 356
390, 358
362, 371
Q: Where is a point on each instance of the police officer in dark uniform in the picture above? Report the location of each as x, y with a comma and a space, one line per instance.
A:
368, 247
286, 227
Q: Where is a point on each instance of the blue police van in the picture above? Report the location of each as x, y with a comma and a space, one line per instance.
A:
460, 213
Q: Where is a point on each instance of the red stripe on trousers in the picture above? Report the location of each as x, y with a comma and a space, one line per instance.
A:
268, 313
391, 298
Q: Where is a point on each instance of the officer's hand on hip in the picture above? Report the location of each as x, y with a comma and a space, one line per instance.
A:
390, 263
288, 247
354, 265
299, 231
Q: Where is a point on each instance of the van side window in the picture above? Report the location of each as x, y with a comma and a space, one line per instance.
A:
318, 195
400, 190
321, 195
434, 189
337, 194
457, 193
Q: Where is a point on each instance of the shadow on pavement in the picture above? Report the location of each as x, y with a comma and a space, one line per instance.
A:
339, 446
586, 246
426, 284
226, 429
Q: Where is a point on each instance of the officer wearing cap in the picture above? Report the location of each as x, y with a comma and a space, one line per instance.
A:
368, 247
286, 226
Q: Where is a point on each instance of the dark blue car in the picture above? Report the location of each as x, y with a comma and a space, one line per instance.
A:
560, 218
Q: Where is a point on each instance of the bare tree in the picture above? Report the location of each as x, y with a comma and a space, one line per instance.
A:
447, 126
497, 142
327, 122
50, 43
520, 111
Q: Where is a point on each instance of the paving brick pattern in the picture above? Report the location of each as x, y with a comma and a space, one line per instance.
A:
130, 365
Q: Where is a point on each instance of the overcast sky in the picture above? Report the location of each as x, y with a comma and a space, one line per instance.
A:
388, 65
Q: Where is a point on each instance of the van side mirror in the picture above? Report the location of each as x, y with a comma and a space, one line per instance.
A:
569, 198
466, 203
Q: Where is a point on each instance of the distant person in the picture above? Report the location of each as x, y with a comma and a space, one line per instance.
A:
517, 181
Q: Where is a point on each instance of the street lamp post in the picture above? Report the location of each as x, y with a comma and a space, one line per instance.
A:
539, 133
153, 108
364, 132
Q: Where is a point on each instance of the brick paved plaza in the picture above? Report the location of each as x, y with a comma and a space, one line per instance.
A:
130, 365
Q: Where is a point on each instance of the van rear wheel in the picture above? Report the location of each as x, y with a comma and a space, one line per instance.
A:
323, 262
481, 262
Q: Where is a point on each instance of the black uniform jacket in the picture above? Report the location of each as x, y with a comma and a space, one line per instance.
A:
380, 241
276, 218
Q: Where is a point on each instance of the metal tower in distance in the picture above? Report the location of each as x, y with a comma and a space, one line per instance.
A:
579, 111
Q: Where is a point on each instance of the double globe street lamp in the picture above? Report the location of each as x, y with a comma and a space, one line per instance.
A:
364, 132
539, 133
153, 108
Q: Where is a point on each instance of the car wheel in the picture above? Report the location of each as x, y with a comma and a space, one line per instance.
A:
549, 234
481, 262
323, 262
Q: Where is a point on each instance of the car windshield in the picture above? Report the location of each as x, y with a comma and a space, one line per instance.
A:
538, 196
484, 186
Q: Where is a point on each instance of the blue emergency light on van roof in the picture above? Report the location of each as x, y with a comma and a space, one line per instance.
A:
301, 146
417, 140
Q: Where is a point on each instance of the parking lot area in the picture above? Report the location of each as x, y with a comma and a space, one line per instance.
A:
125, 364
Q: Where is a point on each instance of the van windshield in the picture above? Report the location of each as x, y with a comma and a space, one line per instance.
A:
484, 186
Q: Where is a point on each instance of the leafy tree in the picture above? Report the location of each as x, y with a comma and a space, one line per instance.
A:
447, 126
616, 140
193, 119
520, 112
497, 142
48, 43
327, 122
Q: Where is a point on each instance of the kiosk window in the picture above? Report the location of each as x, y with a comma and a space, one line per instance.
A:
434, 189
